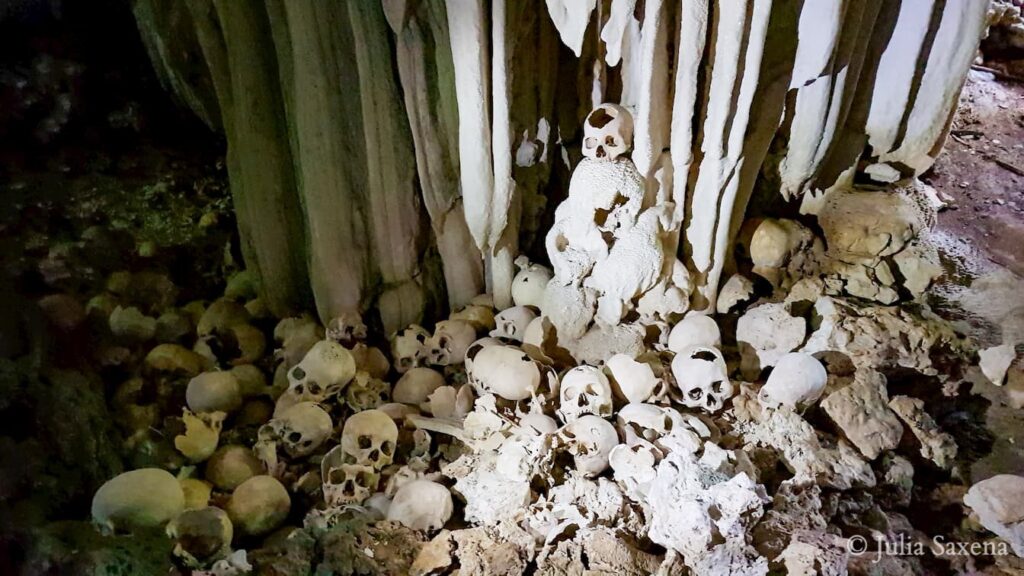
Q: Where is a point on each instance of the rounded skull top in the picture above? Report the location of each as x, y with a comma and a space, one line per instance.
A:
607, 132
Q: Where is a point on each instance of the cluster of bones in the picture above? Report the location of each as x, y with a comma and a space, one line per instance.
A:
599, 417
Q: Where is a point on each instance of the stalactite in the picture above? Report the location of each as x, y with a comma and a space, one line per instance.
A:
260, 158
426, 69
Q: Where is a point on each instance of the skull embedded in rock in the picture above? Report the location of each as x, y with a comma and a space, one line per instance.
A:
511, 322
584, 390
607, 132
409, 348
797, 379
634, 468
590, 440
325, 370
346, 483
369, 438
449, 343
421, 505
660, 427
702, 378
298, 430
505, 371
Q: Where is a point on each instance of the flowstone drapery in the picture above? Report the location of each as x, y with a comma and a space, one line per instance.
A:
351, 124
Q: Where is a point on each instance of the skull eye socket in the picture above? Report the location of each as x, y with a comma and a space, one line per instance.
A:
716, 386
590, 143
364, 442
294, 437
705, 355
335, 476
314, 388
695, 394
609, 140
387, 448
299, 388
366, 479
298, 373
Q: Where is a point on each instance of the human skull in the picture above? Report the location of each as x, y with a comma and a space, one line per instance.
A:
298, 431
421, 505
511, 322
366, 392
584, 390
449, 343
409, 348
346, 483
635, 381
505, 371
415, 386
694, 330
369, 438
702, 377
797, 379
590, 440
201, 536
529, 283
347, 329
607, 132
481, 317
325, 370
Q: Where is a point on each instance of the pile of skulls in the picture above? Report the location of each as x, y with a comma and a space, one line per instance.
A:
719, 451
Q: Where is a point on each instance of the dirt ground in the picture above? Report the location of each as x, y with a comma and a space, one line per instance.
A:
982, 171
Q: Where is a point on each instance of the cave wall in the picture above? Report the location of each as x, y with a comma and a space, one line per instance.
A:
398, 156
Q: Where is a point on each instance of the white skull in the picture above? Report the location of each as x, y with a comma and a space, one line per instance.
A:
450, 341
590, 440
694, 330
702, 377
325, 370
481, 317
584, 390
607, 132
511, 323
369, 438
299, 430
634, 468
529, 283
409, 348
347, 329
366, 392
346, 483
421, 505
416, 385
635, 381
505, 371
797, 379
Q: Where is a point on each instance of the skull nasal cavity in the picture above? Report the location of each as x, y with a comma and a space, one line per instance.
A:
600, 118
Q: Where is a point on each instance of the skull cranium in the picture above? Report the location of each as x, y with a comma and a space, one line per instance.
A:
369, 438
607, 132
584, 390
702, 377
